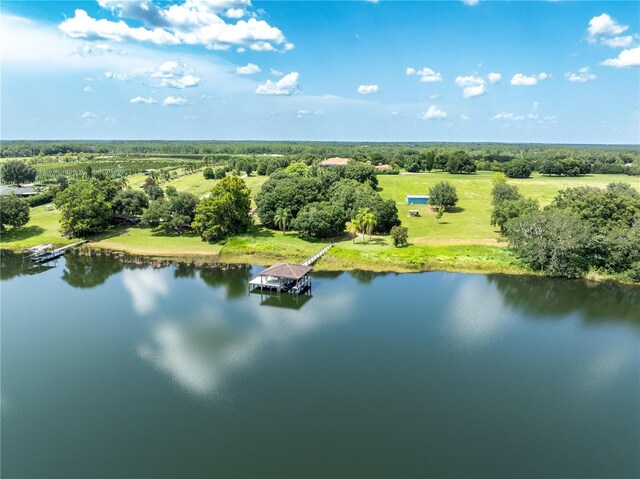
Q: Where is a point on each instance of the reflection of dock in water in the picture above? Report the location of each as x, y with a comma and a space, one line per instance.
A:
286, 277
287, 301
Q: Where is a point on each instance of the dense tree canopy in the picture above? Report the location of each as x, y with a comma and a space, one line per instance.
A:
290, 192
225, 211
320, 220
130, 202
16, 172
13, 212
460, 162
84, 208
553, 241
518, 169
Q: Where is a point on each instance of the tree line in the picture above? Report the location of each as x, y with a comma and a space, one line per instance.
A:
584, 228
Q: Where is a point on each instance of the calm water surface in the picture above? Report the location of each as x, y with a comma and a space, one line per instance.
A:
113, 370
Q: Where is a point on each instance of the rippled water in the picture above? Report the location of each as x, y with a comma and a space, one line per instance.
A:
124, 370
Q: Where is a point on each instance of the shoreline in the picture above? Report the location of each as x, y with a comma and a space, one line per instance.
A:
329, 264
343, 257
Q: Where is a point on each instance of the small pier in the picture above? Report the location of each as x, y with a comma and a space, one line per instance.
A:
44, 253
287, 278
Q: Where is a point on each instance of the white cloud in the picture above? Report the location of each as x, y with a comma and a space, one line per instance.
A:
146, 101
234, 13
193, 22
96, 49
302, 113
604, 25
471, 3
87, 115
434, 97
495, 77
368, 89
464, 117
426, 75
287, 85
474, 91
87, 89
520, 79
175, 75
174, 101
508, 116
627, 58
534, 114
248, 69
116, 76
433, 113
583, 75
617, 42
472, 86
275, 73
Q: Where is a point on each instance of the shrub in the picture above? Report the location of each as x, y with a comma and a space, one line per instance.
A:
208, 173
400, 235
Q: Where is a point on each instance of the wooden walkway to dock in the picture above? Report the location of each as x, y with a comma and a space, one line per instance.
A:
318, 255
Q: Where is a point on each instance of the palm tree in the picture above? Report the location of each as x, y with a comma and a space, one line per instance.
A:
369, 222
353, 227
360, 220
281, 219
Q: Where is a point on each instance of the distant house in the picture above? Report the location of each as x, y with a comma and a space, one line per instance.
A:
417, 200
335, 161
21, 191
382, 167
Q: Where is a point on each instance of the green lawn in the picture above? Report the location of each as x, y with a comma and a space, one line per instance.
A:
470, 223
147, 242
197, 185
43, 227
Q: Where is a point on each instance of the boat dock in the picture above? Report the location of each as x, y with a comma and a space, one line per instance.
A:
287, 278
43, 253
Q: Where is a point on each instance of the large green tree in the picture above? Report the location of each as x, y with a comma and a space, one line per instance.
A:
84, 208
319, 220
14, 212
553, 241
16, 172
444, 194
225, 212
130, 202
284, 191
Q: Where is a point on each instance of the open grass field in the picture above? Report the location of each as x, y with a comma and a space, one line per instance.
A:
462, 241
197, 185
470, 224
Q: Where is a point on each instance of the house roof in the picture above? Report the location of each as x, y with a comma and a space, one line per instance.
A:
382, 167
18, 190
286, 270
335, 161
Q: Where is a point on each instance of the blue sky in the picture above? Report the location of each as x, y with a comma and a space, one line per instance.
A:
550, 72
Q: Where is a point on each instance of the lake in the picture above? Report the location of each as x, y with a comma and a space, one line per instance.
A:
113, 369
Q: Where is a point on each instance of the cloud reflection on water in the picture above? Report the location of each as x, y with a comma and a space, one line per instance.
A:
201, 352
146, 286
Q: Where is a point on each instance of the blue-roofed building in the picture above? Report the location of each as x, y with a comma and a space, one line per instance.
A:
417, 200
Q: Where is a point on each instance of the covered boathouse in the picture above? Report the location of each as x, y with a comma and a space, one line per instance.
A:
283, 277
